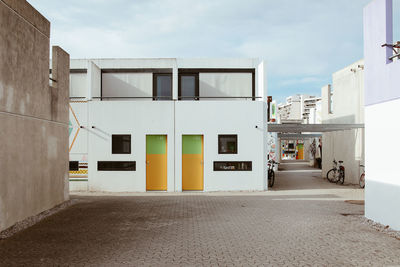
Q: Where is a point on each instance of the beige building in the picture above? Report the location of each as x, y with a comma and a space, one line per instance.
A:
33, 115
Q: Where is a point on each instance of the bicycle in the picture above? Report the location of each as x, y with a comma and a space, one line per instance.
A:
271, 173
336, 174
361, 182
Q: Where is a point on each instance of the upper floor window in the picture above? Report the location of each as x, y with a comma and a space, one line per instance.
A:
121, 144
162, 86
188, 88
227, 144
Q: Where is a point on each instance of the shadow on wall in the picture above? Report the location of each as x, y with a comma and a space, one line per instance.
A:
376, 198
347, 146
350, 119
226, 86
114, 86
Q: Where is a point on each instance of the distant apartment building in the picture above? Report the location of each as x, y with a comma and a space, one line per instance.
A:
168, 125
302, 109
311, 105
297, 108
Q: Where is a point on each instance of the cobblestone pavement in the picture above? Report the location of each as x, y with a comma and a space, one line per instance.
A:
203, 230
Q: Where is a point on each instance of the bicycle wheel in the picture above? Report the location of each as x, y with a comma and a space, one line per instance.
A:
271, 179
331, 176
341, 177
362, 180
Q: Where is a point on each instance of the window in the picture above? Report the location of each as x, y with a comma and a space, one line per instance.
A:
330, 100
162, 86
232, 165
188, 88
116, 165
74, 165
121, 144
227, 144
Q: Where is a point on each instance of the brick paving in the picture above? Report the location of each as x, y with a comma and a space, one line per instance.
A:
203, 230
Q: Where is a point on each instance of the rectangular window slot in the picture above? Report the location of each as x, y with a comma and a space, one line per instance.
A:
74, 165
121, 144
116, 165
232, 166
227, 144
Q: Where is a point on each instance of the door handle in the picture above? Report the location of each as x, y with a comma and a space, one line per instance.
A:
202, 162
147, 162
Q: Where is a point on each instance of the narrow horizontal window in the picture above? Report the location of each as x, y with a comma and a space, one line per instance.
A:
227, 144
121, 144
74, 165
232, 166
116, 165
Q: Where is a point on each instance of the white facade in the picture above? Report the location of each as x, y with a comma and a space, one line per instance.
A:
116, 97
297, 108
382, 109
343, 103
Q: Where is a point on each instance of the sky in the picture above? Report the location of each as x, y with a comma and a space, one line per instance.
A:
302, 41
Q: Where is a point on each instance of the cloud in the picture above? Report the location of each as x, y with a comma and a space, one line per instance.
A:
302, 38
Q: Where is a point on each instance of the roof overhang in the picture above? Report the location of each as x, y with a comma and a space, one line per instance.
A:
311, 128
287, 136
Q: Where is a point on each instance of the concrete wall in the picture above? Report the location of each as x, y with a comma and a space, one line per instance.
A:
348, 108
382, 100
33, 116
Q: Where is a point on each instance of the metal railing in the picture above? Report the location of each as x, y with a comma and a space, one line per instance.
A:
169, 98
396, 50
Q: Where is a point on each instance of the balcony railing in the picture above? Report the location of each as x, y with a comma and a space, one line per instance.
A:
396, 50
165, 98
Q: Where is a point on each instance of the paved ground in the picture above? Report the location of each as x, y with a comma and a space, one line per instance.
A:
274, 228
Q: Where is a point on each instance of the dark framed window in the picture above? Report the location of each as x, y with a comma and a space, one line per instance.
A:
227, 144
116, 165
188, 86
233, 166
74, 165
162, 86
121, 144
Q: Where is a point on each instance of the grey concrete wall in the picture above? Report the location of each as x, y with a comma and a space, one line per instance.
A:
33, 115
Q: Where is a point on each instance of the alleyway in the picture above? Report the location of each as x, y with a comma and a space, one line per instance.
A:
294, 227
293, 175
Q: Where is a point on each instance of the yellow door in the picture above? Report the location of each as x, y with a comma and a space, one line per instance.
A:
156, 162
300, 153
192, 162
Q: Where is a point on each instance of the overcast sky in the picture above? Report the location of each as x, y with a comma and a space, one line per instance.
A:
303, 41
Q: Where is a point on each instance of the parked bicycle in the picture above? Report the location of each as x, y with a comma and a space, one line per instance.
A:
336, 174
362, 178
271, 173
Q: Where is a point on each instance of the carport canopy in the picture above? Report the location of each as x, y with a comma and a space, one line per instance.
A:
311, 128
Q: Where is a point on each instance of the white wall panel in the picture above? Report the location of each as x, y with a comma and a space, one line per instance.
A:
211, 118
127, 84
225, 84
78, 85
138, 119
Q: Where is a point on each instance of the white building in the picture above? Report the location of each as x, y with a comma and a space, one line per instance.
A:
291, 110
168, 124
310, 106
382, 109
297, 108
343, 103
